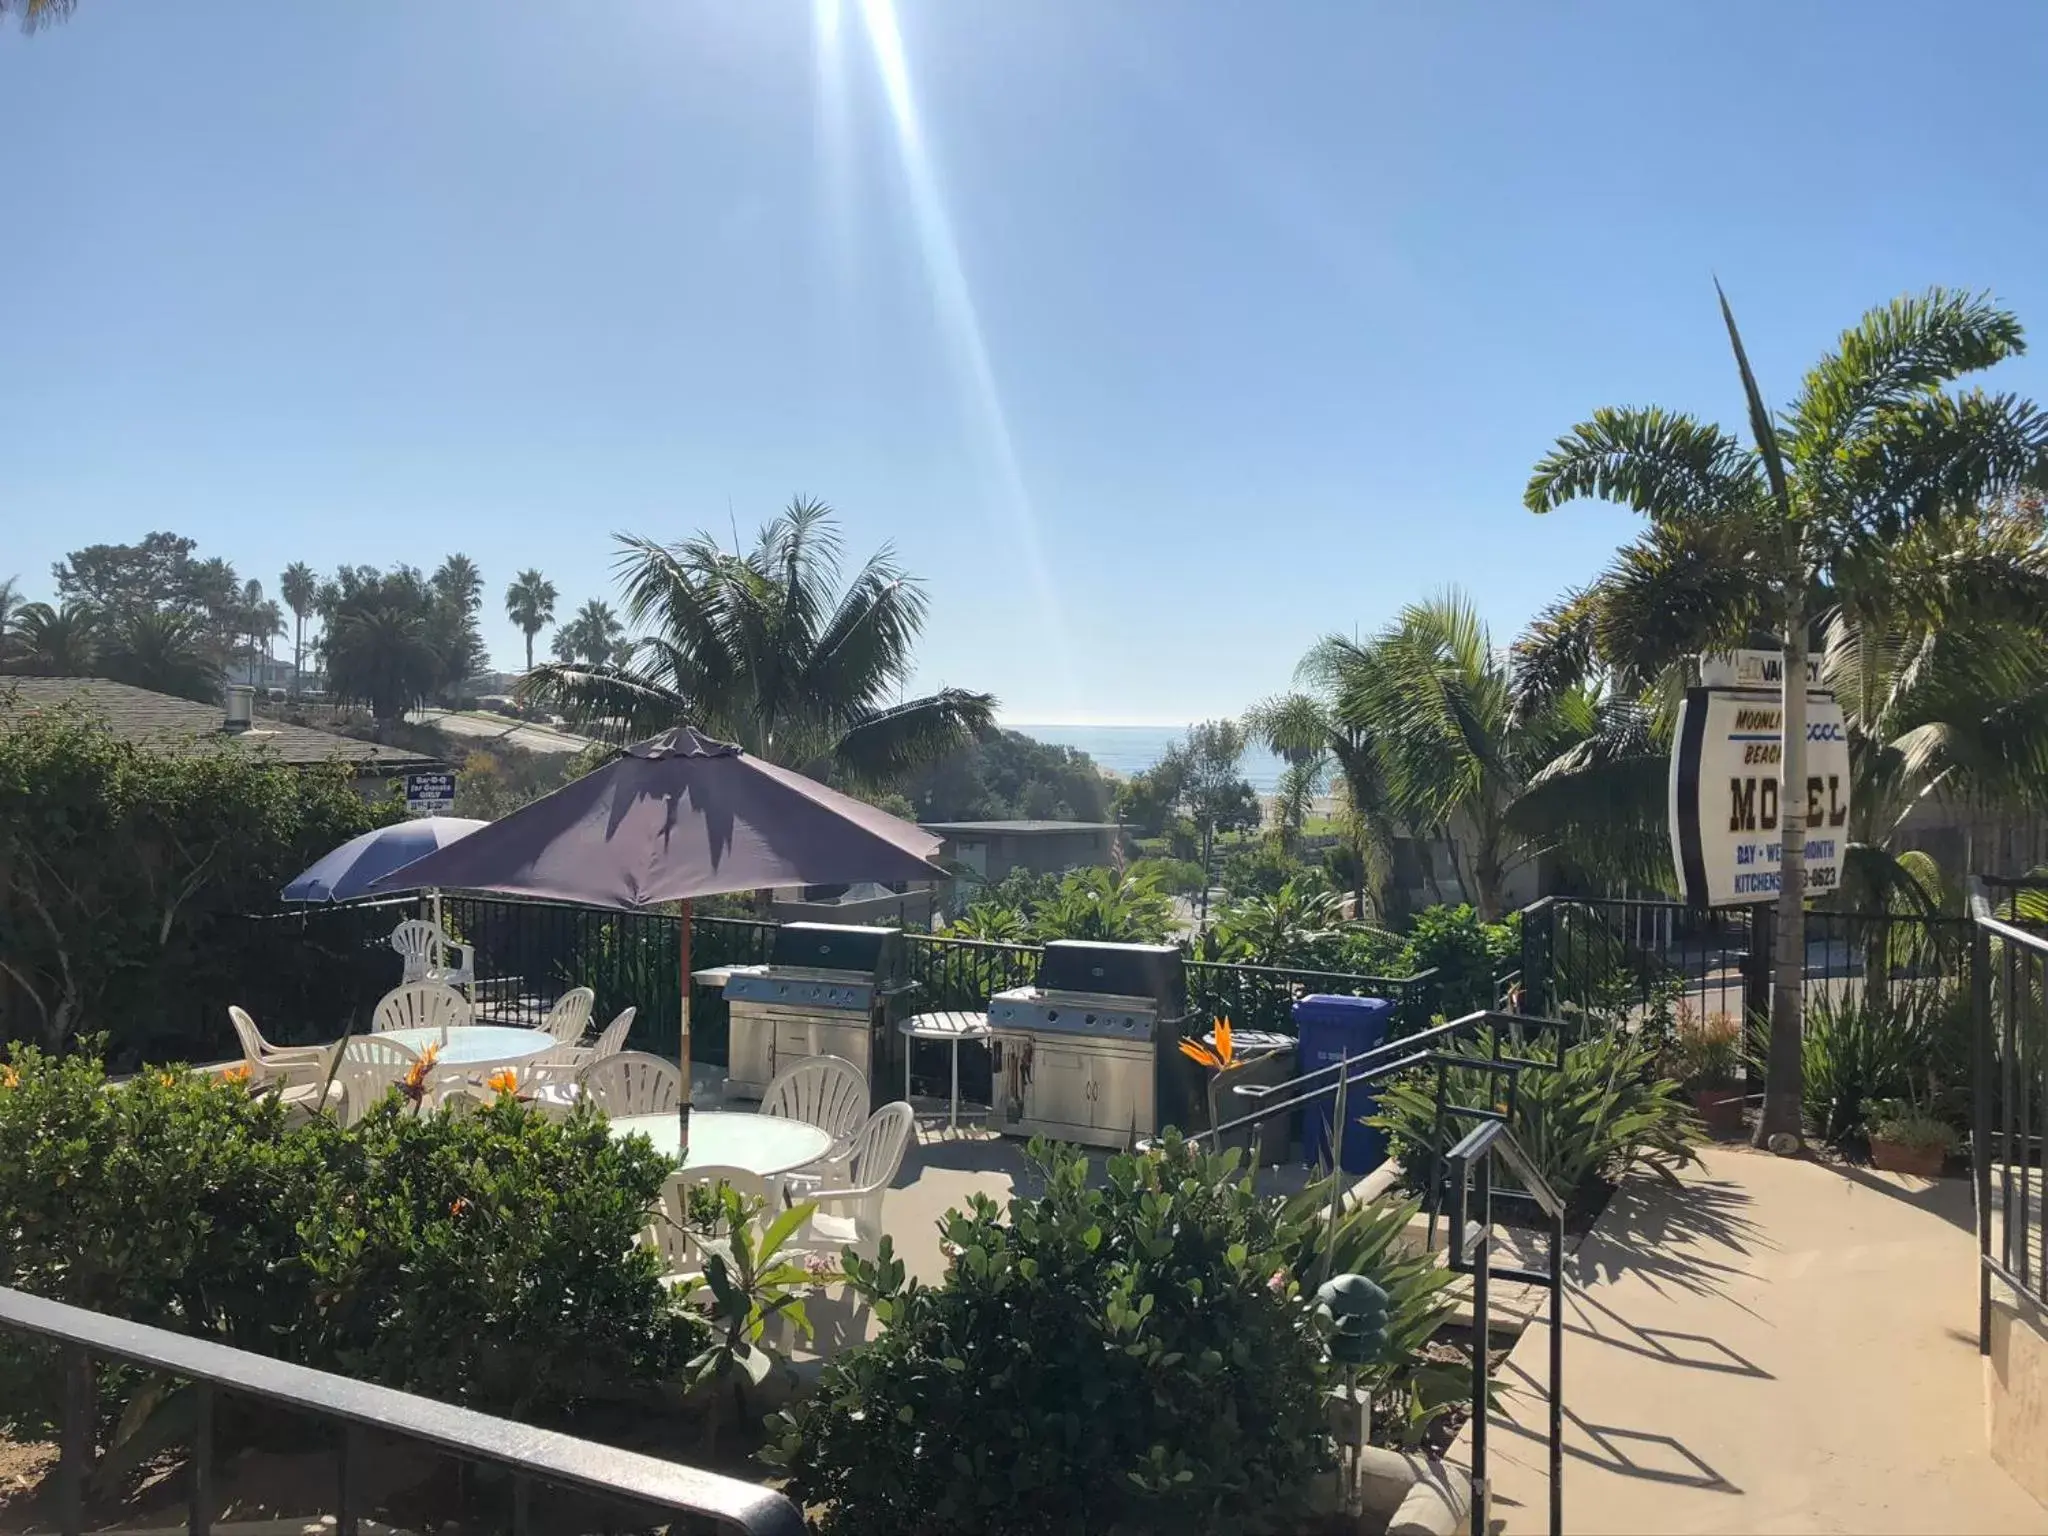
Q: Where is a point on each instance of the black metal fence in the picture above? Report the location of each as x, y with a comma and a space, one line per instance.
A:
1263, 996
2010, 1092
1626, 960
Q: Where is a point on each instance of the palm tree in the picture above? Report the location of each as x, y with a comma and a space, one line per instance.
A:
1747, 538
164, 651
301, 590
767, 649
1321, 745
530, 603
594, 637
262, 620
38, 13
54, 642
383, 656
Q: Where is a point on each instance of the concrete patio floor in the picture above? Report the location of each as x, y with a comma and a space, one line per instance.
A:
1775, 1346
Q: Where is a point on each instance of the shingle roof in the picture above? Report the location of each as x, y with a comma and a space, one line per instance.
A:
1027, 828
161, 720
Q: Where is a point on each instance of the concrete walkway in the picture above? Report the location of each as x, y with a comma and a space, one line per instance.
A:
1776, 1346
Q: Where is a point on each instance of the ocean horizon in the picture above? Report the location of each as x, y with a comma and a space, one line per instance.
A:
1125, 750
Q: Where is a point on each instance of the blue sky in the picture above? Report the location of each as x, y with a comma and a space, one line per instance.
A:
1158, 339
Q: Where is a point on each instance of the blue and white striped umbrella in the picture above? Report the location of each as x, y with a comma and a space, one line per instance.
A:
345, 873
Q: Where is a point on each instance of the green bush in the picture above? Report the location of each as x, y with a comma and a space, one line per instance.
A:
1860, 1047
1584, 1124
1264, 867
1130, 1357
1177, 877
485, 1260
1467, 955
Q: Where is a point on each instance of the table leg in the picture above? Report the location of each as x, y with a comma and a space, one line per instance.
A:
909, 1043
953, 1109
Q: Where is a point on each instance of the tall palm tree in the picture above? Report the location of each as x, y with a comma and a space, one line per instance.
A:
54, 642
164, 651
1322, 747
593, 637
262, 620
1745, 536
530, 603
301, 590
383, 656
769, 649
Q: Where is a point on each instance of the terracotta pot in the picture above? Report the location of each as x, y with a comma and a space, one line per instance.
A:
1895, 1157
1720, 1109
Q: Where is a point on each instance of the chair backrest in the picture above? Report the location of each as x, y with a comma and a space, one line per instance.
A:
370, 1068
613, 1040
418, 943
825, 1091
570, 1016
254, 1046
632, 1083
878, 1149
670, 1232
421, 1005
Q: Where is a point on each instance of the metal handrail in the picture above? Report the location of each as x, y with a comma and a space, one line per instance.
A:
1469, 1251
532, 1455
2015, 1139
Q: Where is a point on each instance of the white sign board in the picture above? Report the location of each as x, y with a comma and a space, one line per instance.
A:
1724, 796
429, 794
1751, 669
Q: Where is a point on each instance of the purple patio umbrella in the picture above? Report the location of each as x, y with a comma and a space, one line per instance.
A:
671, 819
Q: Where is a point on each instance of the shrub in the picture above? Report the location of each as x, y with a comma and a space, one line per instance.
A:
485, 1260
1466, 954
1705, 1049
1177, 877
1898, 1122
1860, 1047
1130, 1357
1263, 868
1584, 1123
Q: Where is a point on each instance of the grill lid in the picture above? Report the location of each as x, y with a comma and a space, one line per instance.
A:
834, 947
1153, 971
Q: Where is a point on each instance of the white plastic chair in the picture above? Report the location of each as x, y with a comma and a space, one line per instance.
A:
825, 1091
612, 1041
430, 955
421, 1005
570, 1016
548, 1081
370, 1068
668, 1230
322, 1088
632, 1083
850, 1215
292, 1065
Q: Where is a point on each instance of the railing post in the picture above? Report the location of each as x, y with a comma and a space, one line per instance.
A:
345, 1477
75, 1445
1481, 1264
1980, 1121
201, 1520
1557, 1374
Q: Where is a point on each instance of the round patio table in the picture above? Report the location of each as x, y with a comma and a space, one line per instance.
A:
722, 1138
475, 1045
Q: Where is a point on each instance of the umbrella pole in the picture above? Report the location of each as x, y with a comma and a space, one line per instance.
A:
683, 1141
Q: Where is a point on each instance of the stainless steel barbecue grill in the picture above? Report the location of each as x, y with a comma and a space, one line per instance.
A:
1088, 1054
825, 991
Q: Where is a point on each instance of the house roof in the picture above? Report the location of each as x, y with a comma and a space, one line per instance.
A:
164, 721
1016, 828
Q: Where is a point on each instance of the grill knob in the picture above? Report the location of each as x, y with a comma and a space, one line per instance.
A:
1090, 1019
1051, 1014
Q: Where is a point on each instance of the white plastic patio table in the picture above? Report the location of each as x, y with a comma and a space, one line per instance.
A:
719, 1138
473, 1045
952, 1028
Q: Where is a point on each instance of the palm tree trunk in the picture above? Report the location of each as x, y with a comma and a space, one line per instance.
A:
529, 649
1783, 1067
298, 652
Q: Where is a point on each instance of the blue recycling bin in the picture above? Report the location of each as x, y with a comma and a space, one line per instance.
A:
1332, 1027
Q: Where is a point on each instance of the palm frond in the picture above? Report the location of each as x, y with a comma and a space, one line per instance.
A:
610, 703
1658, 462
1938, 456
1556, 651
887, 742
1760, 424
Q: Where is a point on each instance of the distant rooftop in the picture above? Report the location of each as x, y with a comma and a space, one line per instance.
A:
1026, 828
164, 721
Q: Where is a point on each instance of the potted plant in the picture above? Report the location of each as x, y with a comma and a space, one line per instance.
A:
1905, 1139
1709, 1052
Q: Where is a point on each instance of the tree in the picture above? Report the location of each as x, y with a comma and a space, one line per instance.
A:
156, 573
382, 643
1008, 776
460, 587
767, 649
301, 593
54, 642
1320, 742
1200, 775
261, 621
165, 652
593, 637
36, 14
1744, 536
530, 603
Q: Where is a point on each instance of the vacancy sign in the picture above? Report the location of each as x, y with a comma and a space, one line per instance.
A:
1724, 795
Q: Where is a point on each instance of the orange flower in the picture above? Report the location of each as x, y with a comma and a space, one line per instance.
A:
504, 1080
415, 1085
168, 1079
9, 1078
458, 1206
1223, 1058
239, 1073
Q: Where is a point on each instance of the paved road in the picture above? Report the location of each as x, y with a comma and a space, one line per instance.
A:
483, 727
